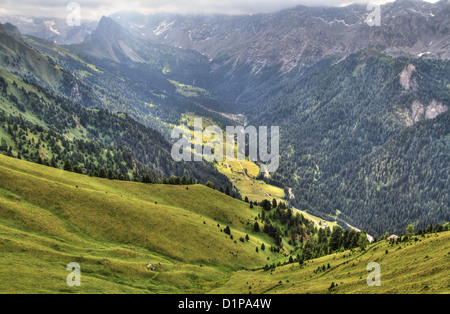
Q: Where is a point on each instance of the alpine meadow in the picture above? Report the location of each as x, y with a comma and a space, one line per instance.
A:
225, 149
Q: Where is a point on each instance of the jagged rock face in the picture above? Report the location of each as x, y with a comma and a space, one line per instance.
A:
111, 41
290, 38
406, 79
301, 36
417, 111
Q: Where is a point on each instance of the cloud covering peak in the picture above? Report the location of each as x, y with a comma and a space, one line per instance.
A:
94, 9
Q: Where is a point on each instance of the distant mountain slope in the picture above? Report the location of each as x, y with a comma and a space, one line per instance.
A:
91, 139
110, 41
307, 34
18, 57
405, 181
335, 116
253, 53
339, 89
55, 29
276, 43
302, 35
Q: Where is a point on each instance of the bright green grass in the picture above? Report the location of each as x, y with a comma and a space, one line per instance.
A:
319, 221
255, 190
50, 217
113, 229
188, 90
415, 267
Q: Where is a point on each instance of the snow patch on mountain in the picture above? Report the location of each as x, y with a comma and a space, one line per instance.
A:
50, 25
162, 28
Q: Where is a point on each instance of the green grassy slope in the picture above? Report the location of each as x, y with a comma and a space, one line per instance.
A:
49, 218
113, 229
413, 267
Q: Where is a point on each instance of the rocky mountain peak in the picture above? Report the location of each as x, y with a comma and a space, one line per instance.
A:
302, 35
109, 29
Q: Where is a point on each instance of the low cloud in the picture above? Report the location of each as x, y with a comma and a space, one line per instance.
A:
96, 8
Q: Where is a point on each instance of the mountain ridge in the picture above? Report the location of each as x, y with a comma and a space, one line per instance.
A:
304, 32
253, 65
236, 36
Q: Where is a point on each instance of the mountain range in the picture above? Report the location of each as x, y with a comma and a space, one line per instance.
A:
65, 114
299, 36
358, 106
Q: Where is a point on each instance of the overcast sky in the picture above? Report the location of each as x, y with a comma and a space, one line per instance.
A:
94, 9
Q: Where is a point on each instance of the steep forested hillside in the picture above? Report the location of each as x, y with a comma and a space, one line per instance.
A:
406, 180
146, 86
334, 116
38, 126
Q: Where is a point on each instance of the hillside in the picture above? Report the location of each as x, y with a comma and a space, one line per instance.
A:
419, 267
114, 229
17, 57
34, 123
50, 217
341, 112
88, 171
344, 116
248, 53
